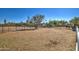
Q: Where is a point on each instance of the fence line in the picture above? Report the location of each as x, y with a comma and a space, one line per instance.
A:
15, 28
20, 28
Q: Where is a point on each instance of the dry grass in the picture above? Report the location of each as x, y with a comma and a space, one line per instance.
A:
43, 39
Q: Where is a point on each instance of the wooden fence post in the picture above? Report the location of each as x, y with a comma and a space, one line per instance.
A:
16, 27
8, 28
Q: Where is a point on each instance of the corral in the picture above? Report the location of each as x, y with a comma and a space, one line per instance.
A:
42, 39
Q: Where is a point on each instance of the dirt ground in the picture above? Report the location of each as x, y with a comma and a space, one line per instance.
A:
42, 39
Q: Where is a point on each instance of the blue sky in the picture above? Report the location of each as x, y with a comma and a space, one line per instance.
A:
20, 14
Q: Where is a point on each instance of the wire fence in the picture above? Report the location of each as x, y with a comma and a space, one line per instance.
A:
15, 28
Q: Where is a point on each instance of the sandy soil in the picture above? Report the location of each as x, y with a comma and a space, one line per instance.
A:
43, 39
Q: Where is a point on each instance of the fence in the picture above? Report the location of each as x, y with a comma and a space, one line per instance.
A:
22, 28
15, 28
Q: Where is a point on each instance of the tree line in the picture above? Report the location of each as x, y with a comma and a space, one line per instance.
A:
36, 21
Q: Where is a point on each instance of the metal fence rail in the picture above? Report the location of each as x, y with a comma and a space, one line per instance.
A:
15, 28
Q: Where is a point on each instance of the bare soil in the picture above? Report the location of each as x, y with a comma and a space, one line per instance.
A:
42, 39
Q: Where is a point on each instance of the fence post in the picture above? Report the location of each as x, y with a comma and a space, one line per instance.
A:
2, 28
77, 37
16, 27
8, 28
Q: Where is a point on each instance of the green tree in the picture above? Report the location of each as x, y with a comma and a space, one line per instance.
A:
28, 19
55, 23
74, 21
62, 23
37, 19
4, 21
